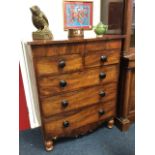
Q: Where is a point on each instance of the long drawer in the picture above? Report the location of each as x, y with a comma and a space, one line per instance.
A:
78, 99
57, 49
52, 85
65, 123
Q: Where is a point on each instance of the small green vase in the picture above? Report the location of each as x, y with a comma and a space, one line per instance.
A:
100, 29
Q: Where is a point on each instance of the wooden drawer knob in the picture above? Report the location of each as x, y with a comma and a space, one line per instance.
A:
63, 83
66, 124
103, 58
102, 75
62, 64
64, 103
102, 93
101, 112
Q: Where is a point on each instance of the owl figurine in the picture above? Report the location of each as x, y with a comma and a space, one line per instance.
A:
40, 21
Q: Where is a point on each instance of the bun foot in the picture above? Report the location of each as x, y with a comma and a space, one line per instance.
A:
49, 145
111, 123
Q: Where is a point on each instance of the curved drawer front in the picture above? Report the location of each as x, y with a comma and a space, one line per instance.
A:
100, 58
61, 64
61, 125
78, 99
52, 85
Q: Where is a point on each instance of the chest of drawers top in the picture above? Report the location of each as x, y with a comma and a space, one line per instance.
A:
42, 48
74, 40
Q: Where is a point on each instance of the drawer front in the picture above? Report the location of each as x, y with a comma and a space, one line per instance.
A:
57, 50
52, 85
103, 45
78, 99
63, 124
61, 64
100, 58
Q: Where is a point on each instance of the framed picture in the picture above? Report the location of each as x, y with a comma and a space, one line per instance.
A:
78, 14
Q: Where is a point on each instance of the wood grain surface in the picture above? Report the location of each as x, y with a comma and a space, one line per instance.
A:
55, 50
79, 118
50, 65
78, 99
50, 85
94, 59
103, 45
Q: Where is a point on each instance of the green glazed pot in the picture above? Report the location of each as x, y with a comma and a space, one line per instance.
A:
100, 29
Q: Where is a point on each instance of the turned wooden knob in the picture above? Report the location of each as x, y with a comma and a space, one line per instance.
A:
101, 112
111, 123
102, 75
102, 93
49, 145
63, 83
64, 103
103, 58
66, 124
62, 64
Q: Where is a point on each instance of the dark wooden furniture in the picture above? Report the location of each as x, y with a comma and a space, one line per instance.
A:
77, 84
112, 15
126, 93
126, 100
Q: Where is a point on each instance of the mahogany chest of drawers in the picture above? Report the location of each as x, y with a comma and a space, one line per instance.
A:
77, 84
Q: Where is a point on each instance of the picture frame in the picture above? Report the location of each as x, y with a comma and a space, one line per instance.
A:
78, 14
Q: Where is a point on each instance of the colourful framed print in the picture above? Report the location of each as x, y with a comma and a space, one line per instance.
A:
78, 14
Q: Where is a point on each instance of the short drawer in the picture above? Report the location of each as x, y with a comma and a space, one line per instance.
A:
64, 124
61, 64
103, 45
102, 58
78, 99
53, 85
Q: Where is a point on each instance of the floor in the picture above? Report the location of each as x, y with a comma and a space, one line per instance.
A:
103, 141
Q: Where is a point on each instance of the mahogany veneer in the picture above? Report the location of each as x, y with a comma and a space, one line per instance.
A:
126, 99
77, 84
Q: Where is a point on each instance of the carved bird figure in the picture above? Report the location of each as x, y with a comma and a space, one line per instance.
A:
39, 19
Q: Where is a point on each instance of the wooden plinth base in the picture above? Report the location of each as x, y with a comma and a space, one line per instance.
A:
122, 123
